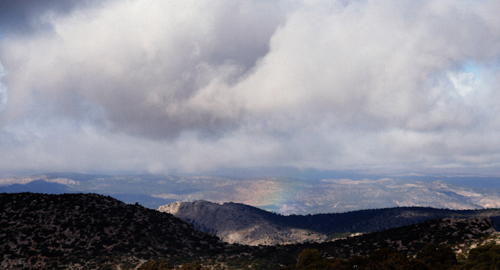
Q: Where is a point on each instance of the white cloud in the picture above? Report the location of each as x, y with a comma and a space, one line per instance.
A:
3, 89
195, 86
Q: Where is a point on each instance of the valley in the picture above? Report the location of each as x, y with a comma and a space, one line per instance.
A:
280, 195
85, 221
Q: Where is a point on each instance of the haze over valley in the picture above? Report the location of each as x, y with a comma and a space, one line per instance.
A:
280, 195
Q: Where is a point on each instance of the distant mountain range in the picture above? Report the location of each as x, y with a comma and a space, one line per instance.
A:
243, 224
280, 195
90, 231
48, 187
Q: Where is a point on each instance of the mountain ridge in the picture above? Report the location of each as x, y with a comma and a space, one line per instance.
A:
281, 195
244, 224
91, 231
91, 227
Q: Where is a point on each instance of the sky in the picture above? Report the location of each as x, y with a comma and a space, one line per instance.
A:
156, 86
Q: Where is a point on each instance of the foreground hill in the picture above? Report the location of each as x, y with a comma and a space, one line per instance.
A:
244, 224
408, 240
87, 229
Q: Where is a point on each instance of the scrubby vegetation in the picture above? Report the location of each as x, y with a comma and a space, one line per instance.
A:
244, 224
431, 257
484, 257
50, 231
89, 231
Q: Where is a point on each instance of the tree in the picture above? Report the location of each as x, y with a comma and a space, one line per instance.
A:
309, 257
484, 257
438, 257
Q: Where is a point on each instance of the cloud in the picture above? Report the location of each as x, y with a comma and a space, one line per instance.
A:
29, 16
152, 72
191, 86
3, 89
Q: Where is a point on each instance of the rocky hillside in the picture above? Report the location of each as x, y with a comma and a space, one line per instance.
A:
408, 240
47, 231
89, 231
411, 239
239, 223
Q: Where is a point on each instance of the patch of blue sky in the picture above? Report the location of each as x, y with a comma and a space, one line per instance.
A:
466, 78
472, 67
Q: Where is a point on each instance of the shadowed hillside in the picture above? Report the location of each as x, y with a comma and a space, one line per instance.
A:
89, 231
54, 230
244, 224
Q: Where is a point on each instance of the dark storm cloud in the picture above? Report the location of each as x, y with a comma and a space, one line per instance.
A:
199, 85
26, 16
147, 72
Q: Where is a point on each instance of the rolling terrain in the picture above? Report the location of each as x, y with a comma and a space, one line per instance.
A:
90, 231
49, 231
239, 223
244, 224
280, 195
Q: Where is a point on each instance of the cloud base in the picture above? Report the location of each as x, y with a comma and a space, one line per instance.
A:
187, 87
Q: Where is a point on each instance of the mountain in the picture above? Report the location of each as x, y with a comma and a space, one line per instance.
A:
408, 241
90, 231
239, 223
280, 195
459, 234
48, 231
244, 224
40, 186
144, 200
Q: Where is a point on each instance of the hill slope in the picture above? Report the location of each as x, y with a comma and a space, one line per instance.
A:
408, 240
79, 229
88, 231
239, 223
